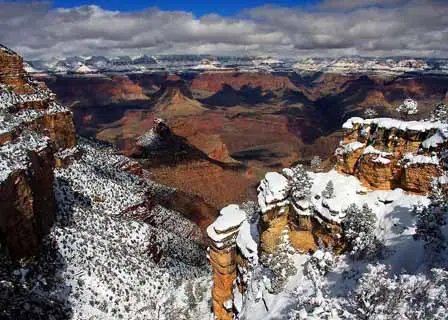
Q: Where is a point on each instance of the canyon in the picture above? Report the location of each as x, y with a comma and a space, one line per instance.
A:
284, 117
122, 192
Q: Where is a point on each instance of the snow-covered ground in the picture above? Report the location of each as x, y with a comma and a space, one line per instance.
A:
109, 265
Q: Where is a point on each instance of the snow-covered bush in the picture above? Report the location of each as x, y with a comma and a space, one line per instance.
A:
359, 229
328, 193
309, 297
430, 220
440, 113
280, 263
300, 183
379, 296
407, 108
370, 113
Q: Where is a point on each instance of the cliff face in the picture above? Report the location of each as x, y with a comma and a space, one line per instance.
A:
387, 153
27, 202
35, 131
214, 82
85, 91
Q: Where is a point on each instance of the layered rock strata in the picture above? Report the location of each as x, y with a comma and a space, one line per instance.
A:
307, 221
36, 133
388, 153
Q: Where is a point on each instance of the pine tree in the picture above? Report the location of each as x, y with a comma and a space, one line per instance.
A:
379, 296
328, 193
359, 229
300, 183
430, 220
281, 264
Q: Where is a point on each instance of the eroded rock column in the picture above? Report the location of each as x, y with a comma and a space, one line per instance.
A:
223, 233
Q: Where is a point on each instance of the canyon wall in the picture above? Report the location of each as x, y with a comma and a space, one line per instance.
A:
36, 134
214, 82
388, 153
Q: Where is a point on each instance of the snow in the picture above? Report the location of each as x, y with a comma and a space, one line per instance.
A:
9, 99
246, 242
409, 106
382, 155
350, 147
225, 227
371, 150
388, 123
440, 137
15, 155
348, 189
85, 69
272, 191
107, 267
381, 160
411, 159
229, 217
349, 124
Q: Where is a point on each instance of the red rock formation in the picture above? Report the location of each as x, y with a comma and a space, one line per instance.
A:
388, 153
27, 202
96, 91
11, 71
28, 112
175, 99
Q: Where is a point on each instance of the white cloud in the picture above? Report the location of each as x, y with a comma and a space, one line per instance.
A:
388, 27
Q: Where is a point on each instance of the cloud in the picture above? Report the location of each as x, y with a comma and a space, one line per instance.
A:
366, 27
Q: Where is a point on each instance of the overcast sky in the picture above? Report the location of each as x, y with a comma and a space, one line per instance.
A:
307, 28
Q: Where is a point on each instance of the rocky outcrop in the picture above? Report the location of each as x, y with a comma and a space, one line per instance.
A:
175, 99
303, 220
11, 71
27, 202
36, 133
222, 255
236, 248
388, 153
160, 146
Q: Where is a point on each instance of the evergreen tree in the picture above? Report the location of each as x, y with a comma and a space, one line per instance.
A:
359, 229
300, 183
251, 209
328, 193
430, 220
379, 296
280, 263
315, 163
